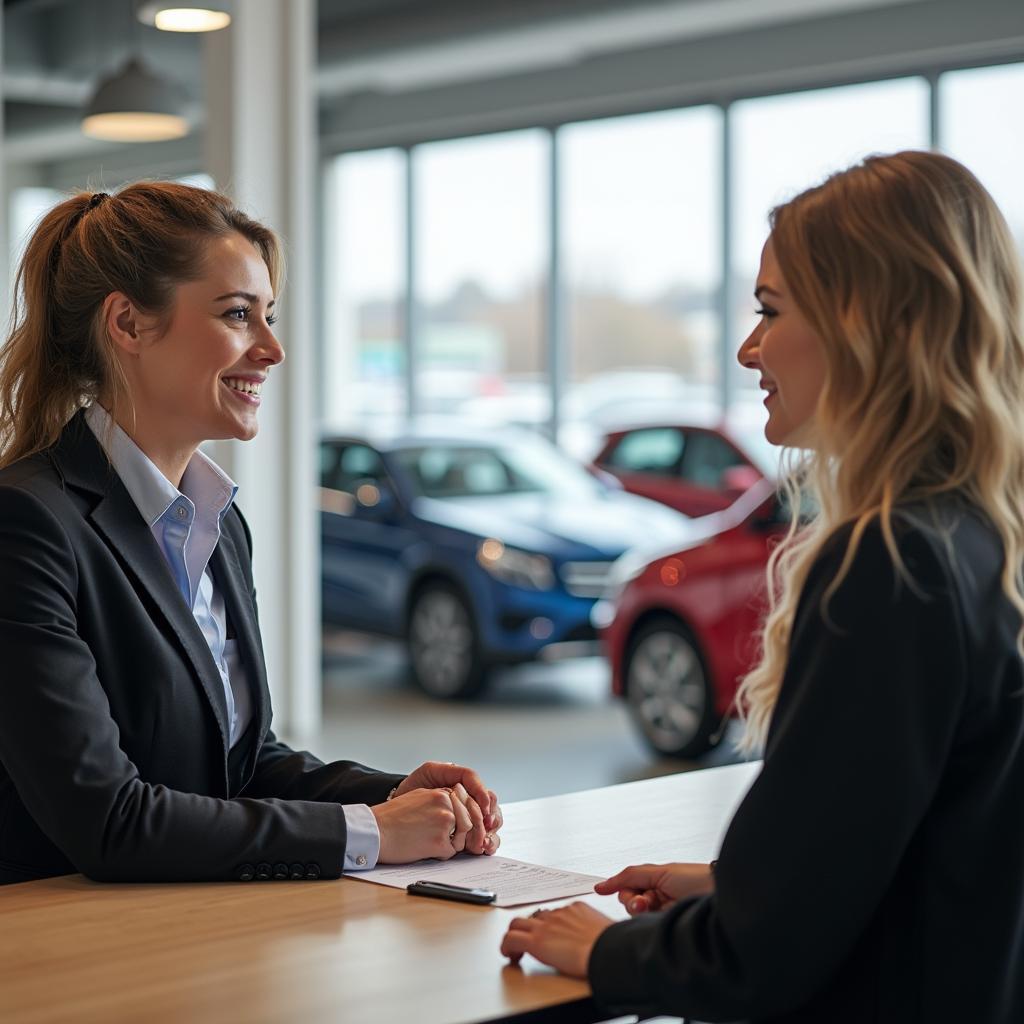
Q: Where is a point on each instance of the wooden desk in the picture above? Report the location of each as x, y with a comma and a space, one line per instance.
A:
345, 951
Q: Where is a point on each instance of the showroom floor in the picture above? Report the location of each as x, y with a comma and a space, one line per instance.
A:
541, 729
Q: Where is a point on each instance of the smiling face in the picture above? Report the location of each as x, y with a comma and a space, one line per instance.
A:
200, 378
788, 354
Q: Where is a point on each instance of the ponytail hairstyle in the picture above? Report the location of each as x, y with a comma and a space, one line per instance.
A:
143, 241
906, 270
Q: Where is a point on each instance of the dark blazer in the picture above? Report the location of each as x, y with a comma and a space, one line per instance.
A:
875, 871
113, 725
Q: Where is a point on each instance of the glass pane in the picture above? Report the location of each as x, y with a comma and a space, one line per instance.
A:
642, 254
513, 467
657, 450
481, 257
982, 126
328, 465
198, 180
358, 462
26, 207
707, 458
363, 350
784, 144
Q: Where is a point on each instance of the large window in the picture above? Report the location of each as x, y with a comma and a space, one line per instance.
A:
982, 125
26, 207
784, 144
364, 285
481, 257
641, 202
647, 322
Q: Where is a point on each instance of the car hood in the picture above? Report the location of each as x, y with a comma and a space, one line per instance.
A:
701, 530
603, 525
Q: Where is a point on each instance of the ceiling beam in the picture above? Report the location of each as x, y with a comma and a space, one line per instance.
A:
565, 41
48, 89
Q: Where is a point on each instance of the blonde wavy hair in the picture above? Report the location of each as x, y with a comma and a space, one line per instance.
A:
906, 270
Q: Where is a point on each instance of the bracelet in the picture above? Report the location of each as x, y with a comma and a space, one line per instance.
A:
394, 790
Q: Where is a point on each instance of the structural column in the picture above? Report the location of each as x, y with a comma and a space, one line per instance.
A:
5, 227
727, 341
260, 148
557, 341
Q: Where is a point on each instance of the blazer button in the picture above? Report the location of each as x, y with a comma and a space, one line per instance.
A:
263, 872
298, 871
245, 872
280, 872
312, 872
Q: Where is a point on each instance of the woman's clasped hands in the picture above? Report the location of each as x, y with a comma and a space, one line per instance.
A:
564, 938
437, 811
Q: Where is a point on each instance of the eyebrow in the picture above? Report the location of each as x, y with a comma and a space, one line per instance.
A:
248, 296
766, 288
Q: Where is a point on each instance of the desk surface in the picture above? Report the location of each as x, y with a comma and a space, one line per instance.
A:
71, 949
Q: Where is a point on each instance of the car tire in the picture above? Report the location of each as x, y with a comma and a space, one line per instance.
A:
445, 660
668, 688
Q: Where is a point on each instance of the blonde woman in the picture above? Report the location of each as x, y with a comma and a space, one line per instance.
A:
875, 870
135, 718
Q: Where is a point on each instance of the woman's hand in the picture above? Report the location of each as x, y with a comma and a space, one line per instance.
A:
561, 938
423, 823
645, 887
466, 789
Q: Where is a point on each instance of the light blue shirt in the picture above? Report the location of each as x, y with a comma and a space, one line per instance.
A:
186, 525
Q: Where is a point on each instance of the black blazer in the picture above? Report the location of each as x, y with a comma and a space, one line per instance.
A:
875, 870
113, 725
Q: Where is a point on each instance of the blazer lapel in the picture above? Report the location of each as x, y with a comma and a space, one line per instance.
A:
83, 464
227, 571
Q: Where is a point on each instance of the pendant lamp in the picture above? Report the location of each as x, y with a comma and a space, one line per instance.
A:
135, 105
171, 17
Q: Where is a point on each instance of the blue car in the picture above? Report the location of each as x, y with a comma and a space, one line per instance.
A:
479, 548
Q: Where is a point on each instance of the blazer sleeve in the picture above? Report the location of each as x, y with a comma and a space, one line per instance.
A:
860, 736
298, 775
60, 744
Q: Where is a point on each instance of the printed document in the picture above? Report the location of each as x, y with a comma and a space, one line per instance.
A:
515, 881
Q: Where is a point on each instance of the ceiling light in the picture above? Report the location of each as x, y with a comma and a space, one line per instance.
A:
185, 18
134, 105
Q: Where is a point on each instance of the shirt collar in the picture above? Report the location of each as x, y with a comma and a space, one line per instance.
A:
204, 483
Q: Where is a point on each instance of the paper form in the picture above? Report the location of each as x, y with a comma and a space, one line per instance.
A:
515, 881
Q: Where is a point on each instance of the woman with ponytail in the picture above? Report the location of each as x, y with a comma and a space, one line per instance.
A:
135, 719
875, 870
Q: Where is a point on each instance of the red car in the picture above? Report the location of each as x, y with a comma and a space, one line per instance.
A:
681, 631
695, 468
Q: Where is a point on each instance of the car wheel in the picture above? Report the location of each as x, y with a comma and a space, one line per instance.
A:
669, 693
444, 649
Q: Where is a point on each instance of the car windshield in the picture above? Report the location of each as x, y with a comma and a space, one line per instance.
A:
468, 470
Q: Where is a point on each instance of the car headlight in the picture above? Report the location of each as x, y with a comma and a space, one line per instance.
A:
518, 568
623, 571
